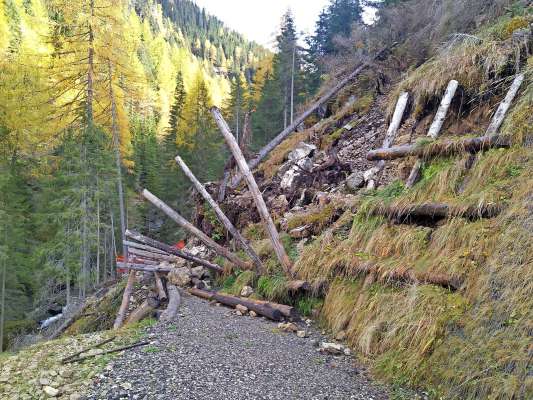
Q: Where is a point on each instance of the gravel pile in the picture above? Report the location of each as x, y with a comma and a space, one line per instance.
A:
211, 353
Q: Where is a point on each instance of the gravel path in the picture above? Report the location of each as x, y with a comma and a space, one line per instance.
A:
210, 353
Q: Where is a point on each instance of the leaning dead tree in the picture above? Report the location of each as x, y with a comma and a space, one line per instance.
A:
499, 117
435, 129
254, 189
391, 132
441, 149
221, 216
220, 250
310, 111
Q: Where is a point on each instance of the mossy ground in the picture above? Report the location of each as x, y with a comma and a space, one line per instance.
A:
20, 372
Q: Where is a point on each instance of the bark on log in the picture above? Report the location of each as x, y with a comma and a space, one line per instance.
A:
393, 128
435, 129
125, 300
144, 310
444, 148
145, 248
499, 117
287, 311
172, 250
221, 216
144, 268
311, 110
220, 250
256, 193
153, 256
173, 304
85, 350
159, 286
437, 211
232, 301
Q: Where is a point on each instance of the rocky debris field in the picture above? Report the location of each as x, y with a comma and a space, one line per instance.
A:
210, 352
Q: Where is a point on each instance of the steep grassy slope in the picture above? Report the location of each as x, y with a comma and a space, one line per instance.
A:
473, 340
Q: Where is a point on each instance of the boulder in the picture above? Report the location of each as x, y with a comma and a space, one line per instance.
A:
279, 205
198, 272
288, 327
253, 314
247, 291
301, 334
301, 232
302, 150
180, 277
331, 348
370, 174
51, 391
242, 309
355, 181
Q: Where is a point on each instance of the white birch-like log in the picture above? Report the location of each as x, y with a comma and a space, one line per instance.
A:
499, 117
220, 250
310, 111
254, 189
392, 131
221, 216
435, 129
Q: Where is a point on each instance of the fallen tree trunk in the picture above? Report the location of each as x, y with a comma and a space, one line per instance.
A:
178, 219
254, 190
150, 249
436, 211
153, 256
221, 216
173, 304
144, 268
407, 275
232, 301
287, 311
172, 250
438, 149
310, 111
144, 310
159, 286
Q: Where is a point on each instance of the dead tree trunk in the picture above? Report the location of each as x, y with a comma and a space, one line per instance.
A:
499, 117
173, 304
287, 311
441, 149
221, 216
434, 130
146, 248
220, 250
310, 111
153, 256
256, 193
393, 130
172, 250
144, 267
